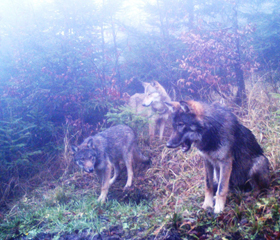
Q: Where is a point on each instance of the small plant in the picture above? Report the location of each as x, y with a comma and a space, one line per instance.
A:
125, 115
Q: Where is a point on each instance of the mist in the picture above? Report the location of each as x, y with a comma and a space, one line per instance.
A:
66, 64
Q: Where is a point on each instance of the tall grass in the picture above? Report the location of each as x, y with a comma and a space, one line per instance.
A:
166, 200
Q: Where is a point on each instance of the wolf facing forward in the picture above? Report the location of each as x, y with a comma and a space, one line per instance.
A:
151, 104
232, 156
105, 150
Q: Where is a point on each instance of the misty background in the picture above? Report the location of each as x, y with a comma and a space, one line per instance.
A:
65, 63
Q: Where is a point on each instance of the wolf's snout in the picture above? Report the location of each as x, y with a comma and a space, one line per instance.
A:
173, 143
90, 170
169, 144
145, 105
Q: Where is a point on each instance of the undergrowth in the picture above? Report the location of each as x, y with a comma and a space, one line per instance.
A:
165, 202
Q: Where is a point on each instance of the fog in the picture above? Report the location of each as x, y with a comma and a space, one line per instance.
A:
64, 64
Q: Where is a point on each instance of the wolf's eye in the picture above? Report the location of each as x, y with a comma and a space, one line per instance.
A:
180, 125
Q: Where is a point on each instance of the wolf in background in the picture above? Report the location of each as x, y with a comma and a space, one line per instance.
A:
150, 104
232, 156
104, 151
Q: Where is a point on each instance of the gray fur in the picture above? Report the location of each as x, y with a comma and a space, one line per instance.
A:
104, 151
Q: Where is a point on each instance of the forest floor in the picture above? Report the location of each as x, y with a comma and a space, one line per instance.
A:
165, 203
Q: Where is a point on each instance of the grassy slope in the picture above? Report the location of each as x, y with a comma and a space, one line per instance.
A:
165, 202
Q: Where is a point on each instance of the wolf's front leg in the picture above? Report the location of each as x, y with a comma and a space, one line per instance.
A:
105, 179
221, 195
209, 192
161, 128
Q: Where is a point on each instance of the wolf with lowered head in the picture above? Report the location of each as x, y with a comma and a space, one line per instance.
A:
104, 151
232, 156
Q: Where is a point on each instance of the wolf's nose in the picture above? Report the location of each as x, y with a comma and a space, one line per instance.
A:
90, 170
168, 144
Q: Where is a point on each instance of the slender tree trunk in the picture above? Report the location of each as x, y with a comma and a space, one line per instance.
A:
164, 29
117, 69
240, 97
161, 20
102, 77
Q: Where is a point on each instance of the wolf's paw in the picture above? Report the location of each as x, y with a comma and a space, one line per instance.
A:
206, 206
219, 206
102, 198
218, 209
208, 203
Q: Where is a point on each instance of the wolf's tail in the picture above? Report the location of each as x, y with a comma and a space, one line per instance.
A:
138, 156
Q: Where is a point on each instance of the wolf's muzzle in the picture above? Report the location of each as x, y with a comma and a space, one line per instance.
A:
170, 144
89, 170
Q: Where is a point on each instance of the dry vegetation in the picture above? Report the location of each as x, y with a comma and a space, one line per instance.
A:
168, 193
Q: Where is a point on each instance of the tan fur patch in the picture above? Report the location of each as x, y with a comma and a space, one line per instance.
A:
176, 105
196, 108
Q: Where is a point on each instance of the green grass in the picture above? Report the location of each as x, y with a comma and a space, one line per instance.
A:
166, 199
174, 206
63, 211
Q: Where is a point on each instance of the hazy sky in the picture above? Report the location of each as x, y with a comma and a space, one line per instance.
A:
10, 9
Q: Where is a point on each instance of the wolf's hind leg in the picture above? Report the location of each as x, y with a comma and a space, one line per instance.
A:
116, 173
128, 163
259, 173
152, 129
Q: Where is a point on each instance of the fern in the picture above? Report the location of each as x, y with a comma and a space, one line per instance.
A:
125, 115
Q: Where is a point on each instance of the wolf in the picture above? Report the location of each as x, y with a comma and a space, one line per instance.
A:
103, 152
232, 156
150, 104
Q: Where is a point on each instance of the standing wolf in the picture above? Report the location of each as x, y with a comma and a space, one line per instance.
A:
151, 104
104, 150
232, 155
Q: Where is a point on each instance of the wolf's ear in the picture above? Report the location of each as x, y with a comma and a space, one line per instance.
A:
144, 84
90, 144
73, 149
154, 83
172, 106
193, 107
184, 106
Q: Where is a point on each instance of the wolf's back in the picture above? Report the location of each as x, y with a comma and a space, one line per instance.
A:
118, 134
119, 139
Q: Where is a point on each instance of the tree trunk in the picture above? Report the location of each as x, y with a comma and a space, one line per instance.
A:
240, 97
118, 75
102, 77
